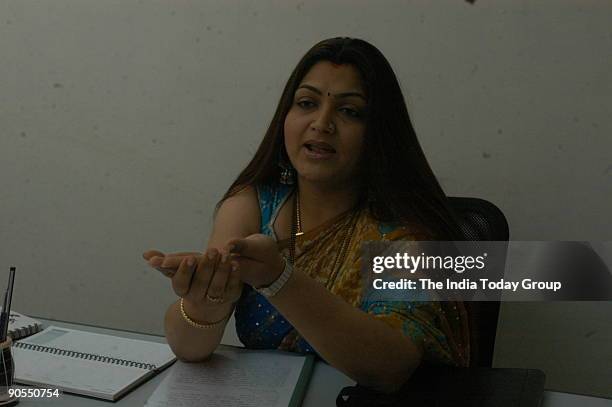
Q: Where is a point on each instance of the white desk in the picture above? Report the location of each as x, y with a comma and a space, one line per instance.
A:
324, 385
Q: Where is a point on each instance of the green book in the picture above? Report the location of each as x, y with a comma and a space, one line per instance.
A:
302, 385
235, 376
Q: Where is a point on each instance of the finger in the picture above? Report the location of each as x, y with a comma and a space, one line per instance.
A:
216, 288
204, 273
183, 254
251, 246
168, 264
181, 281
236, 246
166, 272
173, 260
248, 268
156, 262
151, 253
233, 288
226, 255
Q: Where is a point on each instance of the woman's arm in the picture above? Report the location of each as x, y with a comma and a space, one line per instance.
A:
366, 349
363, 347
237, 216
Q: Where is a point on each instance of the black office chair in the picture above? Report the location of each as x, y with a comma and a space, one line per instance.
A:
481, 220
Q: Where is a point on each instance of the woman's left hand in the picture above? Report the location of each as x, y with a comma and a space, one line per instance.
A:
258, 259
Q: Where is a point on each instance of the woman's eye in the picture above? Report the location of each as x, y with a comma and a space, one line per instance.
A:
351, 112
305, 104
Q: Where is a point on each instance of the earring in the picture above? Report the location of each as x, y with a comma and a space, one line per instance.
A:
287, 175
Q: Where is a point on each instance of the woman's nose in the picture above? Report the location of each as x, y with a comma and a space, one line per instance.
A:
324, 122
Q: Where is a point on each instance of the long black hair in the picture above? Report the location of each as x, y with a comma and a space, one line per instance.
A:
397, 183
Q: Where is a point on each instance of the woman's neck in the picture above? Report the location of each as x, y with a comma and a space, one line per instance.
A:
320, 203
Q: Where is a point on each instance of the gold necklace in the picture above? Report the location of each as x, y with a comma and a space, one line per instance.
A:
299, 231
296, 230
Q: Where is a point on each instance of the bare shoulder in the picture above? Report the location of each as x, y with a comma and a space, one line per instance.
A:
238, 216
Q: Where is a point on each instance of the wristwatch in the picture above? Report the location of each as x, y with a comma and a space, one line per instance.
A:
271, 290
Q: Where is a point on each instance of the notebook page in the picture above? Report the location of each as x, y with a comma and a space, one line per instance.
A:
105, 345
231, 377
72, 374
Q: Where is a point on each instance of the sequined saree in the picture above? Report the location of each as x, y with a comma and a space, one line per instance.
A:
440, 329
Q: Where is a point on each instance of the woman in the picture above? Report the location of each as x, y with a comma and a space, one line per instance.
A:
340, 164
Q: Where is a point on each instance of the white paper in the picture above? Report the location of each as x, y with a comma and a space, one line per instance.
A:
231, 377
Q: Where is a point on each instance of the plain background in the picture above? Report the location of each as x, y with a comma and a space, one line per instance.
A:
123, 122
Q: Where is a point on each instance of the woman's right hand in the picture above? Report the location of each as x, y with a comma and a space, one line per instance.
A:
209, 287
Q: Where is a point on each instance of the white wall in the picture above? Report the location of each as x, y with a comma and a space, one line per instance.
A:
122, 123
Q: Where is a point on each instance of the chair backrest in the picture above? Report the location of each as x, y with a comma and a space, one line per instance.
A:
481, 220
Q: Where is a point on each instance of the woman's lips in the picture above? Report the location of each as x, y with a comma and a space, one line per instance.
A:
318, 153
319, 146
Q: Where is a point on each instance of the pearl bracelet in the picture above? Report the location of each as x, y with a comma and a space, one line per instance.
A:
272, 289
197, 325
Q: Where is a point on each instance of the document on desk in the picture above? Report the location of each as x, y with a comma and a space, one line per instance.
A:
236, 377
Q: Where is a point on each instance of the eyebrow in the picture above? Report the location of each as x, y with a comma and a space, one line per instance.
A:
337, 95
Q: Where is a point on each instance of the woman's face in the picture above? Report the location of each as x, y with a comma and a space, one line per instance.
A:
325, 127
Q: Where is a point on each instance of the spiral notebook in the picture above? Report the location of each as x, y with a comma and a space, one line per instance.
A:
21, 326
86, 363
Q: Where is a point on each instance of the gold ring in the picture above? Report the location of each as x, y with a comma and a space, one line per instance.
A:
216, 300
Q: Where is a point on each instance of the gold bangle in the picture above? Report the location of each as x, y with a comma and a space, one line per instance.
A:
197, 325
